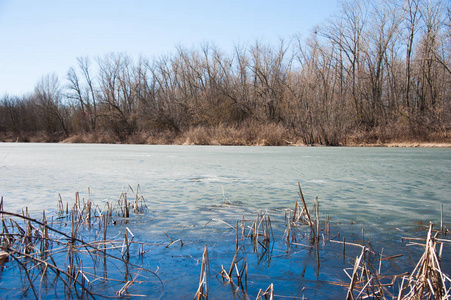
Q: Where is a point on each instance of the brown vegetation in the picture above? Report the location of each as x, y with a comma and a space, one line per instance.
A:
375, 73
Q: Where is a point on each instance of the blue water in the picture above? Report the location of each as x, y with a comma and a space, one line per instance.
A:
384, 191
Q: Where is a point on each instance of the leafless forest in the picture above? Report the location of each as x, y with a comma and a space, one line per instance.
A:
377, 72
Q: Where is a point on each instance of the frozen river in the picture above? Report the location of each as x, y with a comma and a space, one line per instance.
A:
385, 191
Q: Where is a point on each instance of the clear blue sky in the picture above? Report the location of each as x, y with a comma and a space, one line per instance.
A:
46, 36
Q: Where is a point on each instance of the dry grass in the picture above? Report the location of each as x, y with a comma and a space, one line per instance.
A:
250, 133
99, 137
247, 134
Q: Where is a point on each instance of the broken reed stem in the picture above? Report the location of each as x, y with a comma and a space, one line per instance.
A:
295, 211
136, 200
236, 238
317, 216
326, 224
90, 213
349, 295
344, 248
202, 290
268, 294
124, 288
308, 214
172, 241
127, 246
105, 225
126, 208
288, 230
60, 206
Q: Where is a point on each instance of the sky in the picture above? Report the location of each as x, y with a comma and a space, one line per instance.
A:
43, 37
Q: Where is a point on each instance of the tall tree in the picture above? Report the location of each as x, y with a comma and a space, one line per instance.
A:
51, 109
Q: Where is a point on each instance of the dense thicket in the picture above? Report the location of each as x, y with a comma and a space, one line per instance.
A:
377, 71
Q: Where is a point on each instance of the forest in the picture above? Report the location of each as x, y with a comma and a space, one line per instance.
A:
376, 72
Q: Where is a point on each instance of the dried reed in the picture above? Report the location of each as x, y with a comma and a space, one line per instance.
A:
45, 252
268, 294
239, 265
172, 241
309, 219
427, 281
37, 248
202, 290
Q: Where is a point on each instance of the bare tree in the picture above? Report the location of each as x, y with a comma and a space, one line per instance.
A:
412, 16
83, 91
117, 94
48, 97
382, 37
348, 32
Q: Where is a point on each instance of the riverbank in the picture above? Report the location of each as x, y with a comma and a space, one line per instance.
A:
261, 136
405, 145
